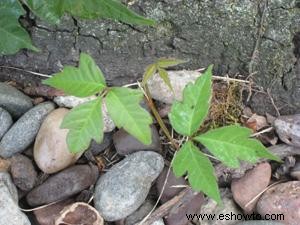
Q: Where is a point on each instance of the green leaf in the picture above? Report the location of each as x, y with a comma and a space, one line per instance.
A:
187, 116
200, 171
124, 108
233, 143
168, 62
84, 123
53, 10
165, 76
149, 72
86, 80
13, 37
49, 10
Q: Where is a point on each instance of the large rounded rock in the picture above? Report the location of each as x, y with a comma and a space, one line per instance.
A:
249, 186
14, 101
63, 185
23, 132
282, 199
123, 189
9, 209
5, 122
51, 152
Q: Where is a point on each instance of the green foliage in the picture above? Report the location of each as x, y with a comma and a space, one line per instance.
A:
12, 36
159, 67
229, 144
124, 109
187, 116
84, 123
86, 80
199, 169
53, 10
232, 143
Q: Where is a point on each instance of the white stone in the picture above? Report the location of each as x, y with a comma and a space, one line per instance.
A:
179, 79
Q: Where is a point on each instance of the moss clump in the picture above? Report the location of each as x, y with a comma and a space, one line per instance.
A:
226, 106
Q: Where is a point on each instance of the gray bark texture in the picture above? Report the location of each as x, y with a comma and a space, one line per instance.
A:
258, 37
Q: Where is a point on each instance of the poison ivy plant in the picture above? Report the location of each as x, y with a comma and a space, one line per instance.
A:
85, 122
14, 37
229, 144
86, 80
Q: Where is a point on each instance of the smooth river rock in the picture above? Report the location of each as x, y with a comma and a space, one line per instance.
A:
250, 185
5, 122
126, 144
283, 199
23, 132
51, 152
63, 185
23, 172
10, 214
14, 101
124, 188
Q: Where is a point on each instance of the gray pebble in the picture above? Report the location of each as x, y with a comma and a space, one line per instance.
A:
5, 122
14, 101
23, 132
124, 188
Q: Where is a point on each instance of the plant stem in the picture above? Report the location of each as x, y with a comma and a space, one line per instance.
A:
158, 118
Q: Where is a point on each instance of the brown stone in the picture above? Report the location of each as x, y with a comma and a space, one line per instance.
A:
282, 199
250, 185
